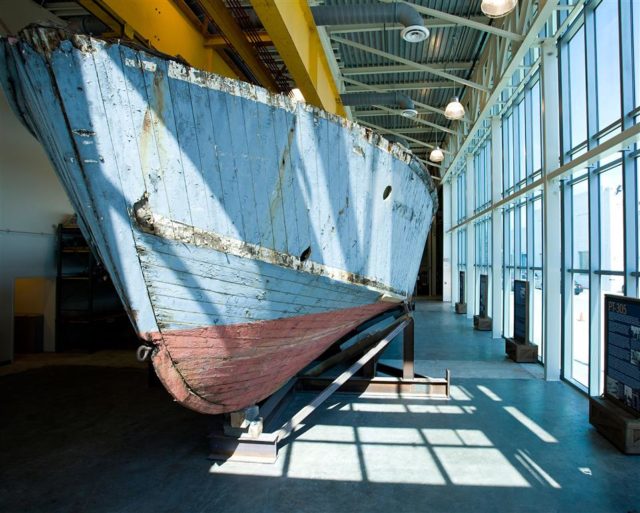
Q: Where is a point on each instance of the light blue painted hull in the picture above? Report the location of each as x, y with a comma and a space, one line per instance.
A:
237, 185
244, 233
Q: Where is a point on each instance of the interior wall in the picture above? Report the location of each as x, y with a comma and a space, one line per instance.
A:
32, 203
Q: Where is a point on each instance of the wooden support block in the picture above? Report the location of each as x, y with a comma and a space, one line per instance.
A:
246, 421
482, 323
245, 448
521, 352
616, 424
461, 308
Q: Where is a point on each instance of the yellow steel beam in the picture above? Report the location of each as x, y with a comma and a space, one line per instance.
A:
218, 12
293, 31
162, 25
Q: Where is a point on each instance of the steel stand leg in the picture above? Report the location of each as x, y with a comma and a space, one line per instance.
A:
408, 352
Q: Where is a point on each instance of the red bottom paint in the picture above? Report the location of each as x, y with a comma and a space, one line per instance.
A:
219, 369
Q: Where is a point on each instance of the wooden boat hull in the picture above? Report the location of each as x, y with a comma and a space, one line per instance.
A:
244, 232
230, 367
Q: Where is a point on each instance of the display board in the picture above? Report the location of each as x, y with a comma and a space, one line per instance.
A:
484, 295
622, 350
461, 288
520, 310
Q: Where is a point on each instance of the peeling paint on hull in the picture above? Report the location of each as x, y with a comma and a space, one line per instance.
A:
244, 233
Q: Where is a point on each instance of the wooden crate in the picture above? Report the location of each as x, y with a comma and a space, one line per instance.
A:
616, 424
521, 352
482, 323
461, 308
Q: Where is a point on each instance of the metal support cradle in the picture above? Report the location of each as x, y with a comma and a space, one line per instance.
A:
250, 444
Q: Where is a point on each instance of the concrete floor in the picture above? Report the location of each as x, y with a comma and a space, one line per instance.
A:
92, 438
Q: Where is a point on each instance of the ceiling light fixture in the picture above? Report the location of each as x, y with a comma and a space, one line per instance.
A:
414, 33
454, 110
409, 113
436, 155
497, 8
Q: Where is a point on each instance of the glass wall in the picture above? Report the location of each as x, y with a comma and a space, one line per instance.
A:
461, 215
483, 259
522, 221
508, 274
599, 221
578, 228
599, 72
575, 92
637, 162
635, 16
482, 227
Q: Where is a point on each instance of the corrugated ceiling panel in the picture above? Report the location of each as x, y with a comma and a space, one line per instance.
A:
451, 44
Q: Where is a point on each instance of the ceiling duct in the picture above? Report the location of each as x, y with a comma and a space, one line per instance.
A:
392, 98
414, 30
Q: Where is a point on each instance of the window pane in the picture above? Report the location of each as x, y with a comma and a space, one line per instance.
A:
522, 142
611, 220
580, 225
636, 50
523, 236
462, 250
537, 232
536, 127
609, 285
608, 63
537, 310
508, 298
512, 238
507, 135
464, 246
462, 197
638, 199
488, 180
580, 329
577, 89
612, 285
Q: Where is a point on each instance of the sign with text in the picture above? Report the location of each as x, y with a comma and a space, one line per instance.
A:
461, 291
622, 350
520, 311
484, 295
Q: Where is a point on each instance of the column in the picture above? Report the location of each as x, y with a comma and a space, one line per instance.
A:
470, 275
496, 227
454, 242
447, 239
551, 262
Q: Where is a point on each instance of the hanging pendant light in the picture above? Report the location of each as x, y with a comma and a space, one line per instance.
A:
454, 110
497, 8
436, 155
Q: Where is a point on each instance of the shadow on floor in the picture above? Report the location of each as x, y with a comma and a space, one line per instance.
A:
98, 439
